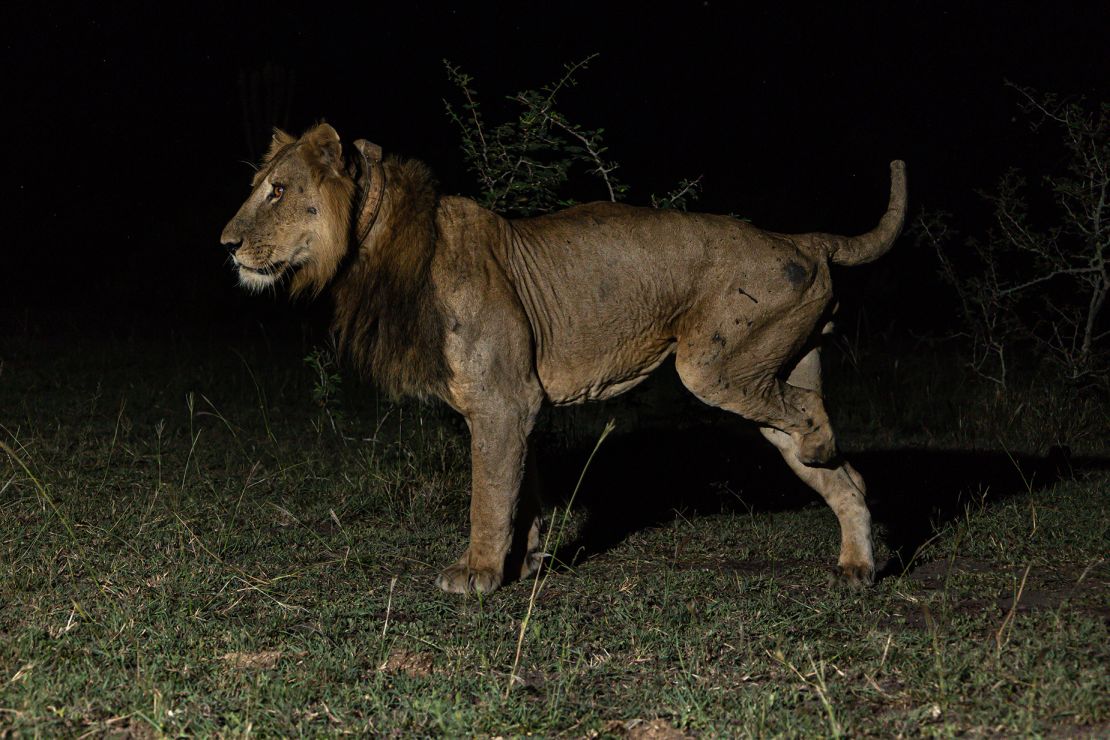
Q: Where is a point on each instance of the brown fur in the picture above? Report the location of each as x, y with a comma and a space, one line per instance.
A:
496, 317
386, 312
337, 191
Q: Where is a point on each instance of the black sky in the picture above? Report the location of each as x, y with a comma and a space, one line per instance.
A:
126, 155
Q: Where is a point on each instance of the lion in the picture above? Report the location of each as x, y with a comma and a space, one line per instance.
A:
437, 297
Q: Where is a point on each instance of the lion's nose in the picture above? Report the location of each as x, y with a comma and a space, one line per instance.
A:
230, 239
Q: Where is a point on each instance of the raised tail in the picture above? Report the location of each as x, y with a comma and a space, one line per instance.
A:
858, 250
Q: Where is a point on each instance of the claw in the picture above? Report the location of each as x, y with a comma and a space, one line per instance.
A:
460, 579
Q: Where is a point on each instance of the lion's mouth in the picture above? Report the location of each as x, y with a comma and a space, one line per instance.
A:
271, 273
274, 268
259, 278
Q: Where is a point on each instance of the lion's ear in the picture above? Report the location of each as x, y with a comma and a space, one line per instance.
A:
279, 141
323, 148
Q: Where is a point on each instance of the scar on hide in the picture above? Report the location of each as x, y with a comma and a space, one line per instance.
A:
743, 292
718, 339
795, 273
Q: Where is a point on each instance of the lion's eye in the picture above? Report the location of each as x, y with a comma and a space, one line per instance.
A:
277, 192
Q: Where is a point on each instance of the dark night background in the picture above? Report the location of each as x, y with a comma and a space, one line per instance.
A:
129, 142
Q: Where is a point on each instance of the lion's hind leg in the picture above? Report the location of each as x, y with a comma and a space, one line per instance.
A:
843, 490
746, 383
841, 487
792, 416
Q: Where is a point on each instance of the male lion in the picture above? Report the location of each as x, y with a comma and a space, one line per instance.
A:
437, 296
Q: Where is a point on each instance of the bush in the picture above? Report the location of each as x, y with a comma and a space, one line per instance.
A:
523, 164
1040, 290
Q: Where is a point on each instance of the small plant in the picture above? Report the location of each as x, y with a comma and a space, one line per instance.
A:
326, 388
1039, 288
523, 165
683, 194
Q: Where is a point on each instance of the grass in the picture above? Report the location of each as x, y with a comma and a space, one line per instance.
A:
188, 547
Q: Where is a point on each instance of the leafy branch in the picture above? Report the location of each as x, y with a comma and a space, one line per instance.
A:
523, 165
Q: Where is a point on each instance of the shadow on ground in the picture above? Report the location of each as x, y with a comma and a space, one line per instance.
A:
641, 480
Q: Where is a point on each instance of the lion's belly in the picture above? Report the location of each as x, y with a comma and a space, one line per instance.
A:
570, 377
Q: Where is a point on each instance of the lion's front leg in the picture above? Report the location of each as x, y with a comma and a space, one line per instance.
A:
498, 448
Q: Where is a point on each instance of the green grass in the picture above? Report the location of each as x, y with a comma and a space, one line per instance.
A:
188, 550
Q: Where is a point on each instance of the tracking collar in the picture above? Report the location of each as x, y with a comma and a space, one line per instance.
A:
372, 185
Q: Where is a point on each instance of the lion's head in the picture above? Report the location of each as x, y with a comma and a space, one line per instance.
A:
296, 220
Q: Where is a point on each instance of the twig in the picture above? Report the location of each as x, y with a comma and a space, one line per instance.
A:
539, 582
998, 637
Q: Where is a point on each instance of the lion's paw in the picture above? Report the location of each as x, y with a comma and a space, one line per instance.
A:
854, 577
462, 579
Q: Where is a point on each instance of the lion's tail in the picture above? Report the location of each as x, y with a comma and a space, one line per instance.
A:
857, 250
